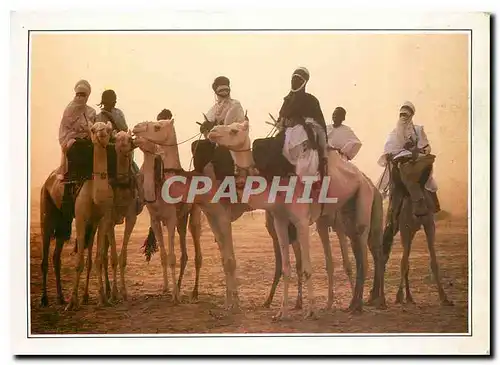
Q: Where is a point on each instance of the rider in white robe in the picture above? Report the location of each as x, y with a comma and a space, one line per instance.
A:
341, 137
399, 144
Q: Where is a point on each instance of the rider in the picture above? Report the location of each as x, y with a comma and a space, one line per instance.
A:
75, 123
341, 137
74, 139
225, 111
299, 105
407, 149
115, 115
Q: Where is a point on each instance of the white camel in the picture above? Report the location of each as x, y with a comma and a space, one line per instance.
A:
363, 224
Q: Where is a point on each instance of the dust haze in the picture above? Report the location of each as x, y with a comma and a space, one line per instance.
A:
370, 75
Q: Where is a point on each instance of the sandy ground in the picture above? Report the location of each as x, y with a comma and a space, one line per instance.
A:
148, 311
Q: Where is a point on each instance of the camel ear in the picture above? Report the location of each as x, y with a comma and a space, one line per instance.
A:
245, 125
129, 133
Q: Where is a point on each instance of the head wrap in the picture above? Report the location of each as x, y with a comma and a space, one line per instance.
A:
409, 105
83, 86
220, 81
302, 72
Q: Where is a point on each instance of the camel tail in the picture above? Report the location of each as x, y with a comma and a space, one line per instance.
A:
150, 245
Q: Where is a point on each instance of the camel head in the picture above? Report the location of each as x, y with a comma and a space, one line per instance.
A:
100, 133
160, 132
233, 136
124, 143
145, 145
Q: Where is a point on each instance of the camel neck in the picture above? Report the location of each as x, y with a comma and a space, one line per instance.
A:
100, 174
170, 153
242, 156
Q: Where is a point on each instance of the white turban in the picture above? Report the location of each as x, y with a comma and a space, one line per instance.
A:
83, 86
409, 104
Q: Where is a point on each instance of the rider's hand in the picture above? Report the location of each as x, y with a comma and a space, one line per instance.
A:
408, 145
70, 143
414, 153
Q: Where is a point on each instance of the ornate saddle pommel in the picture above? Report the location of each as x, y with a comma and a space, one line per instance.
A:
206, 126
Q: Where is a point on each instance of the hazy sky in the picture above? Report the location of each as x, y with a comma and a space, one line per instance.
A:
370, 75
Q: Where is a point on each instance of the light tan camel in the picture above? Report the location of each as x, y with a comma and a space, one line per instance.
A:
159, 138
127, 206
401, 218
363, 224
168, 214
93, 212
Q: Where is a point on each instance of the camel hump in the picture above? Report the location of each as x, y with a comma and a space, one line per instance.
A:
55, 188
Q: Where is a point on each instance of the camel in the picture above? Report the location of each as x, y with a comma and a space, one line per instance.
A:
174, 215
54, 224
126, 207
93, 212
162, 134
363, 224
402, 218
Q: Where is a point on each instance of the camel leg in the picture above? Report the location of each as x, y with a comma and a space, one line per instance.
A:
80, 229
302, 226
195, 230
105, 266
171, 259
358, 243
85, 299
406, 237
156, 226
277, 258
221, 227
130, 221
45, 265
102, 231
430, 233
114, 261
281, 229
90, 245
182, 230
322, 227
298, 266
56, 261
344, 248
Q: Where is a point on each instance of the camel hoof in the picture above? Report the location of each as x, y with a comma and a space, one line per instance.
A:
103, 303
310, 314
85, 299
194, 296
298, 305
124, 294
72, 305
44, 301
165, 290
447, 303
61, 301
267, 304
280, 316
399, 297
409, 300
355, 308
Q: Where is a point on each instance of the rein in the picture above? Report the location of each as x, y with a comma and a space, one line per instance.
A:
172, 145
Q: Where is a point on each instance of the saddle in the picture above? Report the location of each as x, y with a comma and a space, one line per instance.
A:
268, 156
204, 151
80, 158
